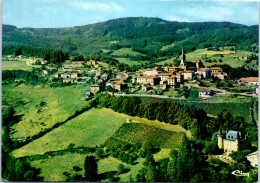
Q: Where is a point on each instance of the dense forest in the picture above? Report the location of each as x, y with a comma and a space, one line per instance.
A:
145, 35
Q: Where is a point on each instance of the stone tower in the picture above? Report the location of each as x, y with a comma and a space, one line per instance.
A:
220, 139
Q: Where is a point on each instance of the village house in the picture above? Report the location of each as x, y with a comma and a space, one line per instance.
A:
171, 69
172, 81
249, 80
68, 75
164, 77
253, 158
146, 87
119, 85
95, 88
151, 72
179, 78
152, 80
232, 141
205, 93
216, 69
188, 75
205, 72
220, 75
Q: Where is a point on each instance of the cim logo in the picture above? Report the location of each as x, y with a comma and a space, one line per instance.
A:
239, 173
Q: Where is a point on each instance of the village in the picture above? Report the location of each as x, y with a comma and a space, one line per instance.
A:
151, 81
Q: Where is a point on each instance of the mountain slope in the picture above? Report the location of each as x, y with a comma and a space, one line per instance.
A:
142, 34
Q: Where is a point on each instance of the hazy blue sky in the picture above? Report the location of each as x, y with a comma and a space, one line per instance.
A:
66, 13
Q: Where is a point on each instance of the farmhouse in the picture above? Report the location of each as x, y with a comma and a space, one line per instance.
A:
152, 80
250, 80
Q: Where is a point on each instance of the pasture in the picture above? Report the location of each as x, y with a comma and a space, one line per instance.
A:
42, 107
89, 129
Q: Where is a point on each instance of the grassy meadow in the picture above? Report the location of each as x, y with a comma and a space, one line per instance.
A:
42, 107
125, 52
15, 65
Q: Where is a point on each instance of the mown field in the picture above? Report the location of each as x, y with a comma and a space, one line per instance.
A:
15, 65
41, 107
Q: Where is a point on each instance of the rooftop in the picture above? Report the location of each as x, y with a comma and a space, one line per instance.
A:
250, 79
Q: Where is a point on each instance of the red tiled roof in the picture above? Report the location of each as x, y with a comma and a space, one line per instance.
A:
215, 68
250, 79
203, 69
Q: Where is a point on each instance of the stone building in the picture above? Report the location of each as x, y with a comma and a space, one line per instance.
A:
231, 141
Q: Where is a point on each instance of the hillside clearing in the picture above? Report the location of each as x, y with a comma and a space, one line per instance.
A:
89, 129
126, 52
41, 107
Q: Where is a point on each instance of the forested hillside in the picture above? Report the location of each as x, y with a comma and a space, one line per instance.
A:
144, 35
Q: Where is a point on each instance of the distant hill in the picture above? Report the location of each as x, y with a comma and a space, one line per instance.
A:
144, 35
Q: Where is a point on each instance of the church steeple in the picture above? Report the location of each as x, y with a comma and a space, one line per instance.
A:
183, 57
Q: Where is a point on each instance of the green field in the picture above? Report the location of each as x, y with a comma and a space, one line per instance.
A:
15, 65
138, 133
126, 52
89, 129
229, 57
129, 62
168, 61
60, 103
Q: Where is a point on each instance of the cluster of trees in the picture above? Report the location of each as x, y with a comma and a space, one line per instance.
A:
31, 77
189, 164
239, 72
187, 116
52, 55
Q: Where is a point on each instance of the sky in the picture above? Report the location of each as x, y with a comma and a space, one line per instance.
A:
68, 13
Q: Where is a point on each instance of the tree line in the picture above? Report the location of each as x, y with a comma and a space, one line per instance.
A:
52, 55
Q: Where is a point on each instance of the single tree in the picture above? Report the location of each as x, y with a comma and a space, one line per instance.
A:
91, 169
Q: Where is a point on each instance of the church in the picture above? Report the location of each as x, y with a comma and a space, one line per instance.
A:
189, 65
